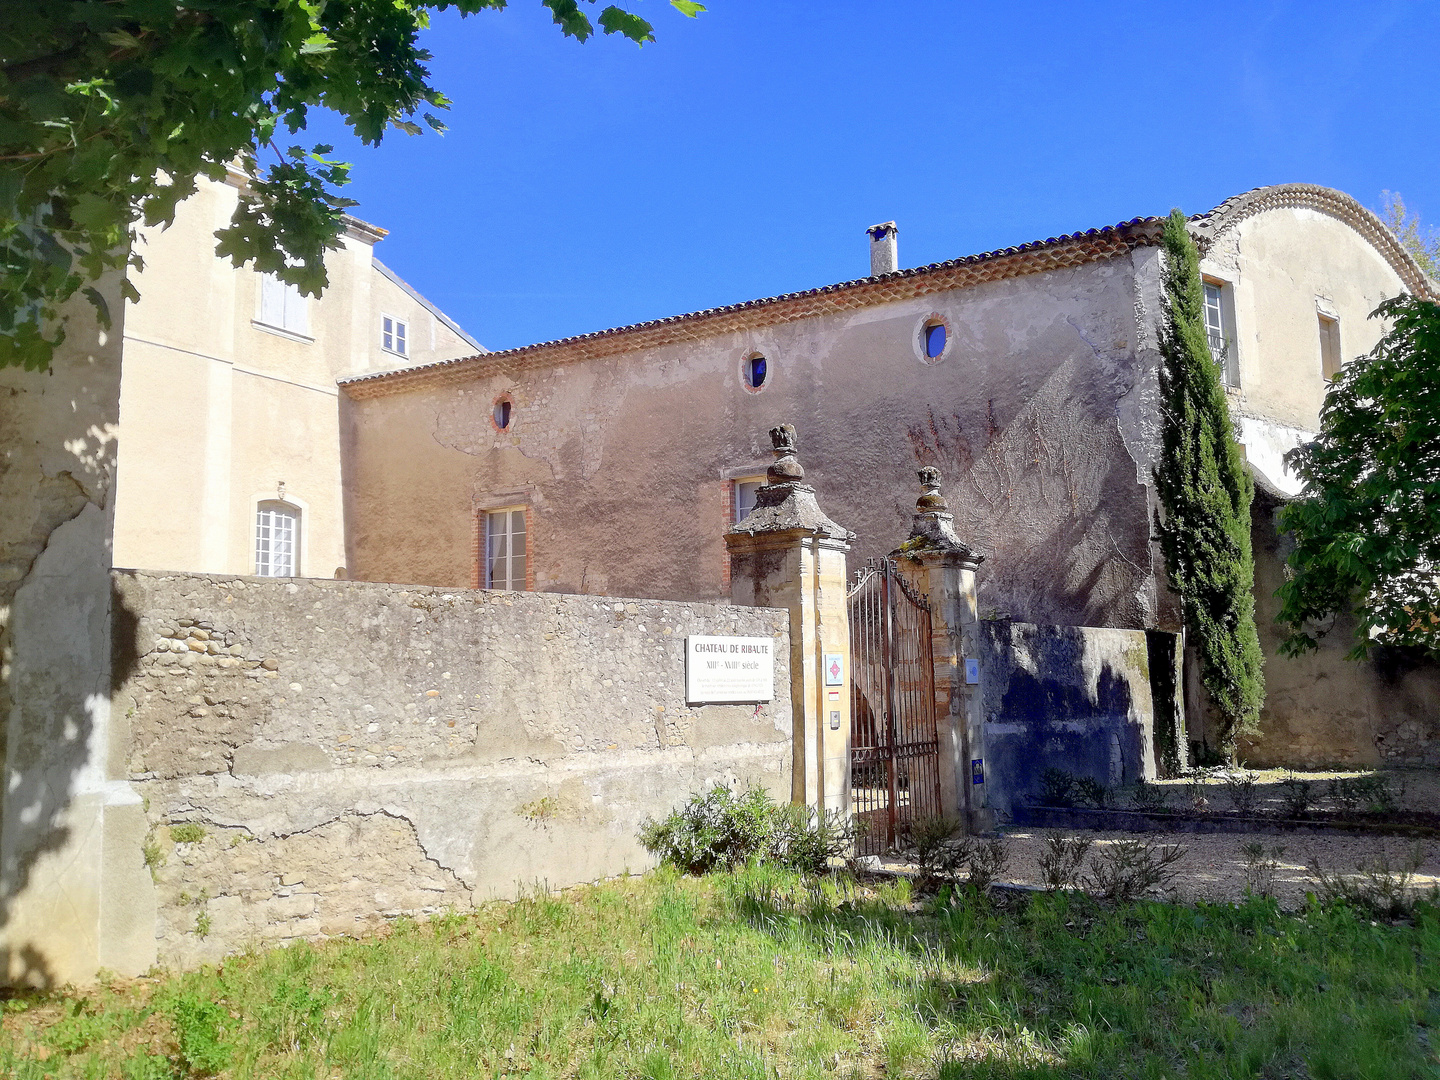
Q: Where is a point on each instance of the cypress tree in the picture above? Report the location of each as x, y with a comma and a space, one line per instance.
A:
1205, 493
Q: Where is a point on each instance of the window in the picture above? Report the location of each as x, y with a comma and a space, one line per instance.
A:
282, 306
935, 335
1220, 329
1329, 346
393, 335
745, 497
277, 540
501, 413
756, 368
505, 549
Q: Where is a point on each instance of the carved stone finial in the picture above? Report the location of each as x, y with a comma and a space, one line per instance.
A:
786, 469
933, 531
931, 498
785, 502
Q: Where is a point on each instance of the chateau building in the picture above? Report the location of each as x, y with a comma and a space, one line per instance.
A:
1027, 375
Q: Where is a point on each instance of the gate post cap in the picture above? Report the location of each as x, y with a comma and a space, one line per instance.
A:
932, 531
785, 502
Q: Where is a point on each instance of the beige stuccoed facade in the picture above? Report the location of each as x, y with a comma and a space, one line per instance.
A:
224, 408
1041, 410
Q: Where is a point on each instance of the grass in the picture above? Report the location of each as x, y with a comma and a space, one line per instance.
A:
764, 974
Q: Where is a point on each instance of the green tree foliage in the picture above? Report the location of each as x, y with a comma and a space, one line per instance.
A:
1367, 527
1205, 494
1423, 243
109, 109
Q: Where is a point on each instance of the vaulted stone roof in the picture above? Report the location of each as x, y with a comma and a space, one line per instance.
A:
1056, 252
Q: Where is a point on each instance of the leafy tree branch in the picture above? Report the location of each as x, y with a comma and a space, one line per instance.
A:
110, 110
1367, 526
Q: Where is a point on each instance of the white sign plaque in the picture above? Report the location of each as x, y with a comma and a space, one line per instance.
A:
729, 669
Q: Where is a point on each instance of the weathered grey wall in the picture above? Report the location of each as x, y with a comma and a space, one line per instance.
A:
1035, 415
356, 750
1322, 709
67, 818
1075, 698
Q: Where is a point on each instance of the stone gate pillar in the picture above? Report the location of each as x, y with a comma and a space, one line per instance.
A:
788, 554
942, 567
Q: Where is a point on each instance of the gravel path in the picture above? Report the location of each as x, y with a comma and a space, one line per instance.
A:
1215, 867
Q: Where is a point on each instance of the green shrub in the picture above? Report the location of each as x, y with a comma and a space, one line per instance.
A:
1125, 870
721, 830
1150, 798
1297, 795
1057, 787
1092, 793
1062, 860
200, 1030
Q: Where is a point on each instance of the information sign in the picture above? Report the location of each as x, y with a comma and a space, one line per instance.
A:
729, 669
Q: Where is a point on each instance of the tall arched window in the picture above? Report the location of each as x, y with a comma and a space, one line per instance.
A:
277, 540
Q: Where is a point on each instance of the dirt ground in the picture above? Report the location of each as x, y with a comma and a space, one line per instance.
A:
1414, 789
1216, 868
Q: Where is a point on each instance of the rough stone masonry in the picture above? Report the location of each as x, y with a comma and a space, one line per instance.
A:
317, 756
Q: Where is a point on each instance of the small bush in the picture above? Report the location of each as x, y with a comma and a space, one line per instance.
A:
1092, 793
1297, 795
987, 862
1126, 870
1345, 794
721, 830
1150, 798
1260, 867
1377, 887
187, 832
1243, 796
1377, 793
939, 855
1057, 788
200, 1030
1062, 860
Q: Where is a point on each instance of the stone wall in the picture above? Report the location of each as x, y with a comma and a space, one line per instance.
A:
1322, 709
65, 817
319, 755
1075, 698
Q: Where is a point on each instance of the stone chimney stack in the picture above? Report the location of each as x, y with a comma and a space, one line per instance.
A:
884, 251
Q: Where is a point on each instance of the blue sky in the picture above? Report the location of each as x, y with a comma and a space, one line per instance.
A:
744, 152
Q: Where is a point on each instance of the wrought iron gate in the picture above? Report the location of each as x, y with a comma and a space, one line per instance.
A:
894, 744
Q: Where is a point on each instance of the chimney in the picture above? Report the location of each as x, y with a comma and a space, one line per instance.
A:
884, 255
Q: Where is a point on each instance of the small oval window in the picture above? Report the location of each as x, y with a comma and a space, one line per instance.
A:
755, 371
502, 413
934, 340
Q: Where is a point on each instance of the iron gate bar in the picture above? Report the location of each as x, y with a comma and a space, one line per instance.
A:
894, 758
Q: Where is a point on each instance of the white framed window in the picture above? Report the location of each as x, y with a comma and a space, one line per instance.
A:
1330, 353
277, 539
282, 306
1220, 329
745, 489
506, 548
394, 335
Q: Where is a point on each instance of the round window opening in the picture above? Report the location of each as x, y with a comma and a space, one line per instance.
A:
934, 337
502, 413
756, 369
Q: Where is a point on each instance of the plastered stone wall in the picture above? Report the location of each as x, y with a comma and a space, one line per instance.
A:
319, 755
1322, 709
1076, 698
1037, 414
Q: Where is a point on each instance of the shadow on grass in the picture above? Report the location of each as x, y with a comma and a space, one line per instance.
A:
1059, 985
